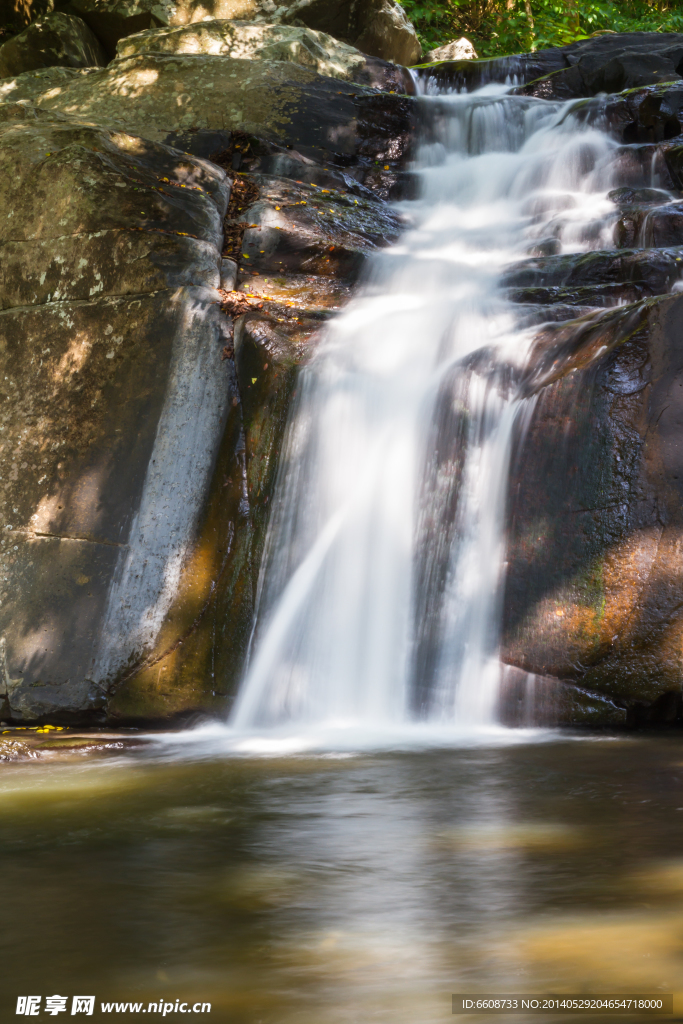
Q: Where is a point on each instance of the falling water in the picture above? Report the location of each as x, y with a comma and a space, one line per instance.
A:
380, 593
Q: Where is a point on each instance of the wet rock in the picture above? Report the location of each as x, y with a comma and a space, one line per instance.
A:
649, 225
298, 228
653, 271
528, 700
58, 40
118, 414
255, 41
609, 63
321, 118
594, 589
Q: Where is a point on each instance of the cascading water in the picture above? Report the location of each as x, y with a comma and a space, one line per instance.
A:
380, 592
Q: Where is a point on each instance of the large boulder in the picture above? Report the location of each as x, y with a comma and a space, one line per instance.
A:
58, 40
170, 98
594, 589
117, 408
112, 20
457, 49
376, 27
55, 41
257, 41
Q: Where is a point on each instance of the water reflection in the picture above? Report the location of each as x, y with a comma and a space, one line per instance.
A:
359, 888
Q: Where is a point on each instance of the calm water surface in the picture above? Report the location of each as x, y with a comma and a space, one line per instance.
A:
345, 888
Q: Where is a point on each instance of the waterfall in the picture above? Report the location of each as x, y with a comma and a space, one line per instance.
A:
380, 593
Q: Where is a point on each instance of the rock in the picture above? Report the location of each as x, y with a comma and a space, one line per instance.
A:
528, 700
457, 49
594, 587
290, 227
175, 96
228, 275
56, 40
255, 41
595, 278
387, 33
117, 409
608, 63
112, 20
378, 28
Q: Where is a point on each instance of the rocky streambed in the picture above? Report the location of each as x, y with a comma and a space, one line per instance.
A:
186, 202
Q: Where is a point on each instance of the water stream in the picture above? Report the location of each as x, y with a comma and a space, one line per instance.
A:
380, 595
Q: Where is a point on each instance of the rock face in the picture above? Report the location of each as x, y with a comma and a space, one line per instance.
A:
595, 578
255, 41
111, 343
58, 40
112, 20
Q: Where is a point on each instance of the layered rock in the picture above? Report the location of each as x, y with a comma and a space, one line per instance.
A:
58, 40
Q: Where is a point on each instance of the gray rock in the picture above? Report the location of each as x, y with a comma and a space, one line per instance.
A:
257, 41
57, 40
116, 406
377, 27
457, 49
228, 275
179, 96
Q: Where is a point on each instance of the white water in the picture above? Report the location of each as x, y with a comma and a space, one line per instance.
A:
380, 595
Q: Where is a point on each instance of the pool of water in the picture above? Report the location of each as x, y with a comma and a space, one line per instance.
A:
343, 888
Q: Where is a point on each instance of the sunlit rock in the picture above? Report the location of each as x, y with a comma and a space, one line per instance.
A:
457, 49
170, 98
378, 27
117, 406
256, 41
112, 20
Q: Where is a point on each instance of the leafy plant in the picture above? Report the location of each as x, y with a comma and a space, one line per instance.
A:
498, 27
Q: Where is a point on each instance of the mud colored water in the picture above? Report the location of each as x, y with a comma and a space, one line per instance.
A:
344, 889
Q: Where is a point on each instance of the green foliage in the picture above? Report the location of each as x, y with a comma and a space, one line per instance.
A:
498, 27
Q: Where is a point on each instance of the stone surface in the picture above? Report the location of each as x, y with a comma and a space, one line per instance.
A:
528, 700
378, 28
116, 407
112, 20
296, 228
167, 98
457, 49
256, 41
595, 572
602, 64
56, 40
